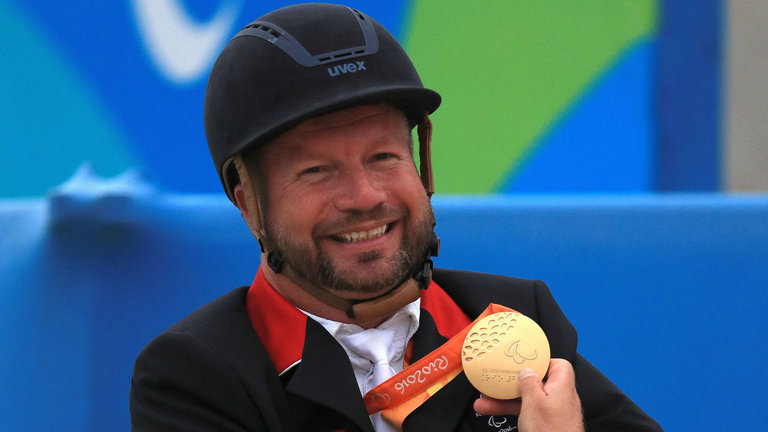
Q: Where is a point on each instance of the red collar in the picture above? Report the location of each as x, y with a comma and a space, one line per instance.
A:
281, 326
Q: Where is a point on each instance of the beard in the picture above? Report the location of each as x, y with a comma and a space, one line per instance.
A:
309, 262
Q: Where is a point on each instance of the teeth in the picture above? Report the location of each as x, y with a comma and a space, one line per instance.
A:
352, 237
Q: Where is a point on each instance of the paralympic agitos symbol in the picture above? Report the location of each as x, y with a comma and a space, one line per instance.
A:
512, 351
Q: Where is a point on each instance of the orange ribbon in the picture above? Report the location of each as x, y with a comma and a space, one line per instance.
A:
398, 396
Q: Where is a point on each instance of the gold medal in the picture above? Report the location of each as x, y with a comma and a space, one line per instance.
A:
498, 347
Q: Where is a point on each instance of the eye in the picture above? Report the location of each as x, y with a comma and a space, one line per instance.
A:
312, 170
383, 156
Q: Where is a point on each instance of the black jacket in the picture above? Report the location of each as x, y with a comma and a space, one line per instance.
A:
210, 372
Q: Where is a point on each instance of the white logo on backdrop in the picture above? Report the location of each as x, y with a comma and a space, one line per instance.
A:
181, 47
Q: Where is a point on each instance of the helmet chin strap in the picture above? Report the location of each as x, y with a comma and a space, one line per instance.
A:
384, 305
424, 131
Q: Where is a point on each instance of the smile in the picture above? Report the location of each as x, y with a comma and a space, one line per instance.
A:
355, 236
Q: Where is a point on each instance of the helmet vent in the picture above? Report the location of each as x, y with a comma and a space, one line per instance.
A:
291, 46
358, 14
340, 56
268, 31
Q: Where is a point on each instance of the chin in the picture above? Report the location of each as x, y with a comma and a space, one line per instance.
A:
374, 282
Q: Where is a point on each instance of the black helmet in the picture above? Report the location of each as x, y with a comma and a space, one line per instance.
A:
299, 62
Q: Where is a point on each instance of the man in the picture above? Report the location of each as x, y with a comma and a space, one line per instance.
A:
308, 115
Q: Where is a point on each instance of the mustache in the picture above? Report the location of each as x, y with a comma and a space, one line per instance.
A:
352, 218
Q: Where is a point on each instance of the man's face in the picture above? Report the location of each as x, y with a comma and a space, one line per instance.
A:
344, 202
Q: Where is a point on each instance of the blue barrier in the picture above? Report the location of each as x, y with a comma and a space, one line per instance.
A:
668, 291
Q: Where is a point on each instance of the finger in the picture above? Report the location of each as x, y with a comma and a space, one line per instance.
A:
560, 373
529, 383
486, 405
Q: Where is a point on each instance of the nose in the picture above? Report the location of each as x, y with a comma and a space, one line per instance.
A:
359, 190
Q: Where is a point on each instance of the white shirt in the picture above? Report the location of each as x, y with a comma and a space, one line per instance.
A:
403, 323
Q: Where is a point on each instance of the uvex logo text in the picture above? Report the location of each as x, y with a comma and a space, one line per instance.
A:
347, 68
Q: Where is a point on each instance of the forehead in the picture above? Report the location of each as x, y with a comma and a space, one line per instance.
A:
351, 124
351, 116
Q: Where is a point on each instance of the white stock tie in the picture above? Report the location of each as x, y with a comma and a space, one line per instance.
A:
372, 349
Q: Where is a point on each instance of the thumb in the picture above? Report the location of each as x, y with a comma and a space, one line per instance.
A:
529, 384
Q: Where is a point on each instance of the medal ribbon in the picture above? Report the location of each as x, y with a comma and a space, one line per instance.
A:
398, 396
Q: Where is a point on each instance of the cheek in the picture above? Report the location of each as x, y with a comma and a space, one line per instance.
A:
412, 191
297, 214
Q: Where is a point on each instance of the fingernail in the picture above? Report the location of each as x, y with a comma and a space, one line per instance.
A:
525, 373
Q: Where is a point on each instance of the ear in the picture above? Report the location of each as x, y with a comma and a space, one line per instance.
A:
240, 201
245, 198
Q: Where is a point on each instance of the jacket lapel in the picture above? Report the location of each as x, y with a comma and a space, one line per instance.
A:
325, 377
445, 409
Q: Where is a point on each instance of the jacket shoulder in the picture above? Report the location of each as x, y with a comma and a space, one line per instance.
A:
208, 368
231, 303
222, 326
606, 408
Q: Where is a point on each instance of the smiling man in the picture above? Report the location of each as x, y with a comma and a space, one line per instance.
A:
343, 202
309, 115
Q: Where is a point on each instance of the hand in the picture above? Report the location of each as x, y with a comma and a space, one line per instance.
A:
542, 407
487, 405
